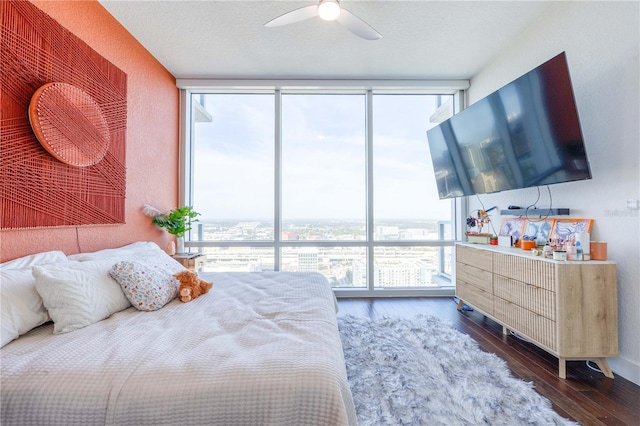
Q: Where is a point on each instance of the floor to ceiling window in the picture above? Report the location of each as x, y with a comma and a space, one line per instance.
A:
339, 183
405, 210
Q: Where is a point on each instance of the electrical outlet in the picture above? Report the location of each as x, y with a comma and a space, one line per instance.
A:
633, 204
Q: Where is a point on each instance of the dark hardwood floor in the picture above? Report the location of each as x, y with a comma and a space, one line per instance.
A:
586, 396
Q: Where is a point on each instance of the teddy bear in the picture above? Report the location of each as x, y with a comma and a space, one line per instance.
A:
191, 286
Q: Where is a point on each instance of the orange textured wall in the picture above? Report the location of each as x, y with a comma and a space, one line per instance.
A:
152, 139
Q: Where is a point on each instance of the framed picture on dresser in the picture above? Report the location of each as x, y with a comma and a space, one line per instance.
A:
538, 230
566, 228
513, 227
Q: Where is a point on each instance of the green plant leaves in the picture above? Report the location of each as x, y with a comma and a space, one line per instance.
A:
178, 221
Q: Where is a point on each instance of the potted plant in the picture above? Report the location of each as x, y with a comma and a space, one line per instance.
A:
479, 221
177, 222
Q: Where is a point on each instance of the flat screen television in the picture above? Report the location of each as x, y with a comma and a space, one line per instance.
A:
525, 134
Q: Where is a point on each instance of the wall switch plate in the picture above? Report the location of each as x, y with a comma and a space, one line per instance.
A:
633, 204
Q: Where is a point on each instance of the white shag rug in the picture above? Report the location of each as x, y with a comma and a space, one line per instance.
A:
422, 371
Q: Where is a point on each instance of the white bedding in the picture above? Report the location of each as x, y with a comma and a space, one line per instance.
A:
258, 349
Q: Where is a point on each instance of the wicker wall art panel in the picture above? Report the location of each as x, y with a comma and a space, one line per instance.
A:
63, 119
69, 124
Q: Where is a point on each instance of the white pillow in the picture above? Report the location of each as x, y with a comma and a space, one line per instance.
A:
127, 252
21, 307
35, 259
78, 294
141, 251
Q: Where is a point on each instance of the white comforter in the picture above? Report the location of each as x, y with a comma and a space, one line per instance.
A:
258, 349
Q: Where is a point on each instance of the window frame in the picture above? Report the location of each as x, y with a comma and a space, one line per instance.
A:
187, 87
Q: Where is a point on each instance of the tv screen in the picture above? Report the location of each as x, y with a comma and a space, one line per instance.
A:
525, 134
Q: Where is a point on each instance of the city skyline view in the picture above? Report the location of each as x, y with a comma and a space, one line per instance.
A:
324, 165
323, 157
403, 266
319, 229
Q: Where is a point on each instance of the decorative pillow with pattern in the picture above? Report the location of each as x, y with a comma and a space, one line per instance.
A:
147, 284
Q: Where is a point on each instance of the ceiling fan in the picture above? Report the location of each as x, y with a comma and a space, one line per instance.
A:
329, 10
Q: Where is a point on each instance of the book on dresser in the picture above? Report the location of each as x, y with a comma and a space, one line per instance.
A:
567, 308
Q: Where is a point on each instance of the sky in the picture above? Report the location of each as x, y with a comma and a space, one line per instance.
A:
323, 158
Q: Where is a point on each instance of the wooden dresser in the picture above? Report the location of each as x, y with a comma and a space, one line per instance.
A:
568, 308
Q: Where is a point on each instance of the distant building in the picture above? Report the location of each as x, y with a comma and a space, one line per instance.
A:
289, 236
308, 259
409, 273
417, 234
387, 232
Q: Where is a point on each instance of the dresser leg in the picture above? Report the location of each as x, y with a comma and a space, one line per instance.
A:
603, 364
562, 368
460, 304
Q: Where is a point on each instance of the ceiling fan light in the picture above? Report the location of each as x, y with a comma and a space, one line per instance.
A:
329, 10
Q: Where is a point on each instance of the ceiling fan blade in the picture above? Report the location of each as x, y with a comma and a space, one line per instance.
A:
357, 25
297, 15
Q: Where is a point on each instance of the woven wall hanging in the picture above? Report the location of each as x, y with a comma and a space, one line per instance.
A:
63, 119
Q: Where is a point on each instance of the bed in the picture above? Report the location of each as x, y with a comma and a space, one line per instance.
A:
258, 349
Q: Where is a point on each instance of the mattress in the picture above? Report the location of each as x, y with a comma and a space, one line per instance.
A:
258, 349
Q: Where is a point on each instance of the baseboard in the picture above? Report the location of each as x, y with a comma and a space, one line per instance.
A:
625, 368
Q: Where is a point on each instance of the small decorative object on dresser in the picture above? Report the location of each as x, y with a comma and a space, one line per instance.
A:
569, 309
473, 223
513, 227
598, 250
478, 238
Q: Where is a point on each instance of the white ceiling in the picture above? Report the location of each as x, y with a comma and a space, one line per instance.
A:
421, 39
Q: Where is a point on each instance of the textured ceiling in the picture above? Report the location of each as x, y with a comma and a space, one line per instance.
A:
421, 39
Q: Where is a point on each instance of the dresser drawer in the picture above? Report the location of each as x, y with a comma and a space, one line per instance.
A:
475, 296
535, 299
535, 326
475, 276
530, 271
479, 258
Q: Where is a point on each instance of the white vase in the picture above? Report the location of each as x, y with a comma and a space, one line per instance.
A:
180, 248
